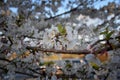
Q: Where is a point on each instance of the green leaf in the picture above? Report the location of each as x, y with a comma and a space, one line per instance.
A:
61, 29
32, 33
20, 19
106, 29
41, 64
94, 65
64, 31
48, 63
68, 65
109, 35
104, 33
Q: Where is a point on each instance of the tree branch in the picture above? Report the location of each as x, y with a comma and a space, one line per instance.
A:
74, 9
85, 51
71, 51
106, 49
3, 59
58, 51
11, 42
95, 43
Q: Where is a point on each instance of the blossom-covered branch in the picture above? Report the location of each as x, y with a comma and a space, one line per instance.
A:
58, 51
71, 51
85, 51
98, 41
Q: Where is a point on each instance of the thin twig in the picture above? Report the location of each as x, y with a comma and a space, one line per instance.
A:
74, 9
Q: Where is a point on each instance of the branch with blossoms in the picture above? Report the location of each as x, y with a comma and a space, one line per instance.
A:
98, 41
85, 51
58, 51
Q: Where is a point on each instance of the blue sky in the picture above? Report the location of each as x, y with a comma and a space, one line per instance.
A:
97, 5
100, 4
